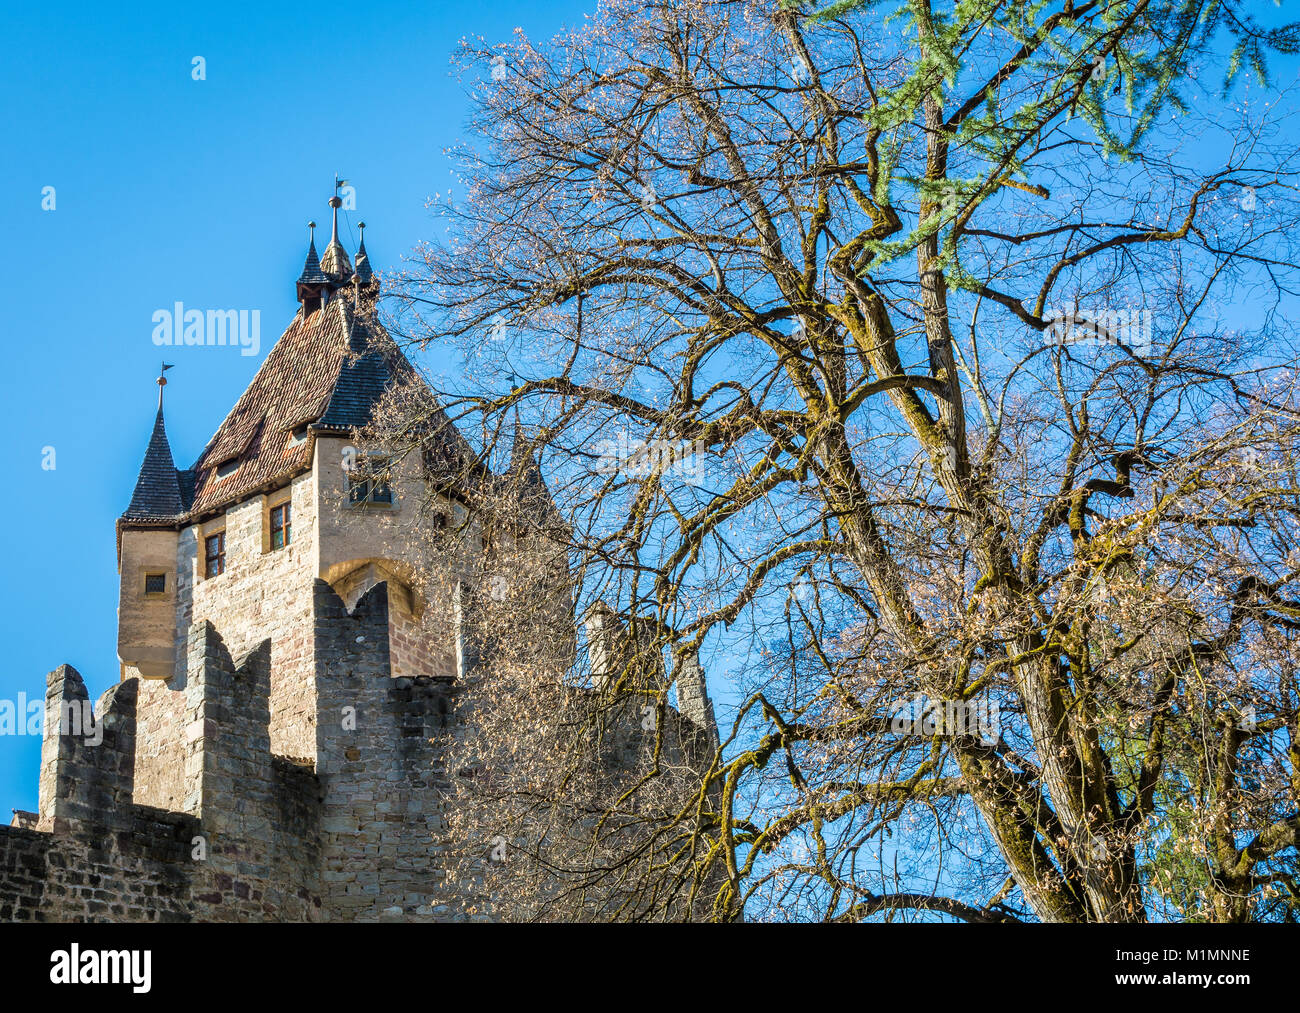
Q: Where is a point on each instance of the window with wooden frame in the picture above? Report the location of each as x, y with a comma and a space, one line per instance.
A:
281, 526
214, 554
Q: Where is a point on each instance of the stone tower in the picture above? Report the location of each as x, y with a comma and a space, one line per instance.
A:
276, 501
276, 747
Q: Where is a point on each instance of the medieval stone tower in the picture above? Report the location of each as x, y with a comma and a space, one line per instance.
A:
267, 595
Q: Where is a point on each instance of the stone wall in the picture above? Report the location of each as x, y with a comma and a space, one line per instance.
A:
246, 848
258, 836
259, 813
298, 762
264, 594
381, 759
267, 593
146, 622
94, 854
138, 874
159, 745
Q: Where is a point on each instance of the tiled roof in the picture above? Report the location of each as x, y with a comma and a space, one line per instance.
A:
186, 481
305, 373
362, 382
326, 373
336, 261
157, 495
311, 272
373, 364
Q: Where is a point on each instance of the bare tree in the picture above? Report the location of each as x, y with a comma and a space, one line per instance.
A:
926, 369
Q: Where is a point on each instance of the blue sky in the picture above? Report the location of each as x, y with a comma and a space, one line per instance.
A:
170, 189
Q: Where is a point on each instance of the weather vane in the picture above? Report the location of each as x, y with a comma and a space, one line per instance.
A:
162, 381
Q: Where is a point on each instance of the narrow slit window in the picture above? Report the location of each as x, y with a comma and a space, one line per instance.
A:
215, 554
281, 527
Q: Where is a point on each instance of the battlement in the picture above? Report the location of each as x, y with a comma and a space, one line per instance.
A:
357, 832
87, 754
381, 754
91, 853
258, 836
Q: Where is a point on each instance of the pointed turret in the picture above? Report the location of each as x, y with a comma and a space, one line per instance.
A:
312, 279
157, 494
524, 479
365, 276
335, 263
148, 540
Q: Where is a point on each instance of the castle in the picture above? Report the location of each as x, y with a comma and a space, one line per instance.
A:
277, 745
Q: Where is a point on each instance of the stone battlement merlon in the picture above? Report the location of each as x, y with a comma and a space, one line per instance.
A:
87, 754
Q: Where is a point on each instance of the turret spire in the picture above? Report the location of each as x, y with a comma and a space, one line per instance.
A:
312, 277
364, 274
157, 494
335, 263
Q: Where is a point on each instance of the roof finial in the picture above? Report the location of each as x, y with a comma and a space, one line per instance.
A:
335, 263
162, 382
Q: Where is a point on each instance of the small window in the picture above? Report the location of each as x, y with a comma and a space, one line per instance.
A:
368, 482
281, 529
228, 468
155, 583
215, 554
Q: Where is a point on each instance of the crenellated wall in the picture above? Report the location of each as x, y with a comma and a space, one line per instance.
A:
245, 848
358, 834
251, 835
94, 854
381, 759
259, 813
